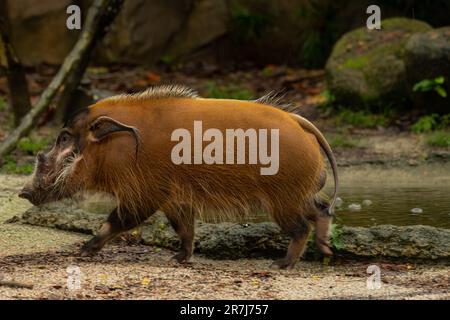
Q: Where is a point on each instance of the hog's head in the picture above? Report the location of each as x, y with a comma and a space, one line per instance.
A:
73, 162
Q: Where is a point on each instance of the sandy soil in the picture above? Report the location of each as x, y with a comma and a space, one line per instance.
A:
41, 257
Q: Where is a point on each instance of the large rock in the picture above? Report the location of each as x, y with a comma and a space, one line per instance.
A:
234, 240
207, 22
143, 30
366, 67
427, 56
39, 32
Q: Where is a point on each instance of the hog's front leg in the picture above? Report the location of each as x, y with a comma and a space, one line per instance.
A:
114, 225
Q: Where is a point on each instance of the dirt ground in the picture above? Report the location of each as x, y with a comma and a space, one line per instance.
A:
47, 258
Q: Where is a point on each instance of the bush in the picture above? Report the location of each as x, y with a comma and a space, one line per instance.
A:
438, 139
430, 123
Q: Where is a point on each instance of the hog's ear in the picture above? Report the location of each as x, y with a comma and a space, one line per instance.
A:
104, 126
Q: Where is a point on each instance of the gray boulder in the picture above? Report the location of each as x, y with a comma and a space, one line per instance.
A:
427, 56
366, 67
39, 32
206, 22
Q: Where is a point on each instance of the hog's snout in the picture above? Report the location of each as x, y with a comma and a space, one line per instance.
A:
25, 195
28, 194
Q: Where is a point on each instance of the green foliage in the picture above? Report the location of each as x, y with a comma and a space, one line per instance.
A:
431, 122
425, 124
329, 97
32, 146
361, 118
431, 85
227, 92
335, 237
167, 59
249, 24
439, 138
313, 49
11, 166
317, 44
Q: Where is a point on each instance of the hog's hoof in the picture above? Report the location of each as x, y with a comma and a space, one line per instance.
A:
324, 248
282, 264
89, 249
181, 257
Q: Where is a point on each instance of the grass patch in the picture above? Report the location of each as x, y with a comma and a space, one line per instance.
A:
227, 92
439, 138
11, 166
361, 119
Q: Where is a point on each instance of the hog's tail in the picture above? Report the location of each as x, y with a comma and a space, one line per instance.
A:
308, 126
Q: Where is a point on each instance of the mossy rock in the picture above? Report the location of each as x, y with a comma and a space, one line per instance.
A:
428, 57
229, 240
366, 67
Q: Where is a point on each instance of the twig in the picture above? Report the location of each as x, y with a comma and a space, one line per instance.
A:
14, 284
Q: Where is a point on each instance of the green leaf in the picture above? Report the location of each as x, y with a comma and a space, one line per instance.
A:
439, 80
441, 91
424, 85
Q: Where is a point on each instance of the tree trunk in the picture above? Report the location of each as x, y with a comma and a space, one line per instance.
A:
100, 15
15, 73
66, 103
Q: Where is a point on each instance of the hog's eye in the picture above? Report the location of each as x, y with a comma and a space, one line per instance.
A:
64, 138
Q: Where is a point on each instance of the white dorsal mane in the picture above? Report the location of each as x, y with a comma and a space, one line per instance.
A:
161, 91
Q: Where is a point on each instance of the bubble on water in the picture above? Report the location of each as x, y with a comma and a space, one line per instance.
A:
354, 207
367, 203
416, 210
339, 202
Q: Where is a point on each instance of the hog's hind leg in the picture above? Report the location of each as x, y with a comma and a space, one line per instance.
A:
322, 225
182, 221
298, 228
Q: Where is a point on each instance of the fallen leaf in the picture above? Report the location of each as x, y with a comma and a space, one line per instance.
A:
145, 282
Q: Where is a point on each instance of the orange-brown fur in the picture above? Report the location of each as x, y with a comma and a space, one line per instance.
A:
153, 181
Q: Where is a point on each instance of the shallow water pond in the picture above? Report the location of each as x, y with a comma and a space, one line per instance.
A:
373, 195
399, 196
